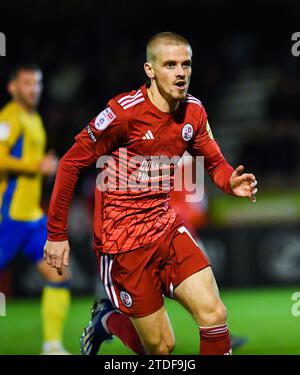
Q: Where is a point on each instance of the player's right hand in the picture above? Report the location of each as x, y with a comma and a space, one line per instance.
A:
56, 254
49, 164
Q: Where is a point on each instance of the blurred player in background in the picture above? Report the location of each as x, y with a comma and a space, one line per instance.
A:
144, 250
23, 225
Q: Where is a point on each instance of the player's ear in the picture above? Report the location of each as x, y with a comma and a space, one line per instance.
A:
11, 87
149, 70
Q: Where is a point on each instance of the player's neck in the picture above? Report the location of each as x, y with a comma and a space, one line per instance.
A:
23, 105
160, 101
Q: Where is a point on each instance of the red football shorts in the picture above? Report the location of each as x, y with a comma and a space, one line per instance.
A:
135, 281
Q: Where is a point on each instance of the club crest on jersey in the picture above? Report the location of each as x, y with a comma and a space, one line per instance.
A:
126, 299
104, 119
187, 132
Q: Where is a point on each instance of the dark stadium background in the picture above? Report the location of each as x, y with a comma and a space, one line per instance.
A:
249, 82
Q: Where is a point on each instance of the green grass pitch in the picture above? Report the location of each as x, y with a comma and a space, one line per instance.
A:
262, 315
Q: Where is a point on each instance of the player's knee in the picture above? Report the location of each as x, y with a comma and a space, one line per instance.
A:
50, 274
220, 313
55, 278
161, 346
161, 349
170, 346
215, 314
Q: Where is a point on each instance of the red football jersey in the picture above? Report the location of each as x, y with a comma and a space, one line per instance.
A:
131, 213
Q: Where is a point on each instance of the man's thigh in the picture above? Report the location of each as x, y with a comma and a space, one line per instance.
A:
188, 278
156, 332
197, 288
199, 294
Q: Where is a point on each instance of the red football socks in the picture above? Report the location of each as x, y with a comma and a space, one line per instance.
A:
215, 340
121, 326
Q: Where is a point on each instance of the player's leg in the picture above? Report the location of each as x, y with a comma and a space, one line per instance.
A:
54, 307
106, 322
191, 282
199, 295
151, 334
236, 341
136, 290
106, 319
132, 284
156, 332
56, 293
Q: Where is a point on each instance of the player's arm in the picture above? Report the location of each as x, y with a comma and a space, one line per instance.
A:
9, 164
14, 165
10, 131
103, 135
56, 249
221, 172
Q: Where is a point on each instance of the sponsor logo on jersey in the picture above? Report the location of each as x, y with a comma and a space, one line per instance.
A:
126, 299
187, 132
104, 119
209, 130
4, 131
91, 134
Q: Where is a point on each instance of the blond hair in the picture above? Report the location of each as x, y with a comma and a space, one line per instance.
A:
166, 37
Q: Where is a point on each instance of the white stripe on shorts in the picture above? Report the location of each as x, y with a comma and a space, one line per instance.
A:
114, 295
105, 281
184, 230
101, 268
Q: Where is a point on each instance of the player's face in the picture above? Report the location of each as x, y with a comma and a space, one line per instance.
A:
172, 69
27, 88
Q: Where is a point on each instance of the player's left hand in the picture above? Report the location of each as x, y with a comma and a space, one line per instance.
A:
243, 184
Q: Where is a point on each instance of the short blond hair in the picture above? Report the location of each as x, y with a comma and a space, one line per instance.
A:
167, 37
